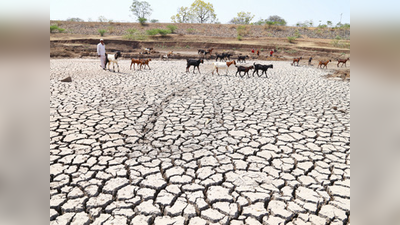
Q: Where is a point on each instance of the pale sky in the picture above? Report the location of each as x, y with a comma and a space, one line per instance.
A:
292, 11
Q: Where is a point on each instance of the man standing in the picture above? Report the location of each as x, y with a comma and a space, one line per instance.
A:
101, 52
271, 52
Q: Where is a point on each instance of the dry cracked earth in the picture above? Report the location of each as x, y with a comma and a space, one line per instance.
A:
161, 146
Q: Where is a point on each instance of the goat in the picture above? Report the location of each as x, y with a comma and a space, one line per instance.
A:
144, 62
201, 51
223, 65
244, 69
112, 58
264, 69
167, 56
296, 60
343, 61
193, 62
224, 56
228, 56
219, 56
146, 51
135, 61
242, 58
325, 63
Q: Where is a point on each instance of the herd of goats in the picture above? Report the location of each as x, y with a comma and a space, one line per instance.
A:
113, 58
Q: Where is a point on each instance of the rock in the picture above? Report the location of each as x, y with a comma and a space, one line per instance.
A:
67, 79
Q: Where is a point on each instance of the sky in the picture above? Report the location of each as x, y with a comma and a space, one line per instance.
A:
292, 11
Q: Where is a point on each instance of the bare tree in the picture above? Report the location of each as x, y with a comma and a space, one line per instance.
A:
141, 9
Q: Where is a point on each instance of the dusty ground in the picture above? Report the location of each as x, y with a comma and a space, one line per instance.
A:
162, 146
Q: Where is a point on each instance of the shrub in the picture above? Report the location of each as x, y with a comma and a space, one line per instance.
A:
153, 21
239, 37
291, 39
55, 27
152, 32
172, 28
164, 32
297, 34
142, 21
101, 32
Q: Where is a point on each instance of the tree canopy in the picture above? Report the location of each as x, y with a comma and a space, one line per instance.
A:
183, 16
203, 12
242, 18
141, 9
276, 20
199, 12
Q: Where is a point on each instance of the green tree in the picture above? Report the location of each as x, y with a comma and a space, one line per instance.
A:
276, 20
329, 23
141, 9
183, 16
242, 18
202, 12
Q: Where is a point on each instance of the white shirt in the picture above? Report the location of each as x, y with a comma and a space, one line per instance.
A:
101, 49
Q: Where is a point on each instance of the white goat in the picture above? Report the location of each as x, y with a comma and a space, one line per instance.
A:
112, 58
226, 65
167, 56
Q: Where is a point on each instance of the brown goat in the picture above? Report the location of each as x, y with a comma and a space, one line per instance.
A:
343, 61
296, 60
135, 61
323, 63
244, 69
144, 62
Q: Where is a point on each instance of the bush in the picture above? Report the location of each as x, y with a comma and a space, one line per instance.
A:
297, 34
152, 32
142, 21
172, 28
55, 27
101, 32
164, 32
239, 37
291, 39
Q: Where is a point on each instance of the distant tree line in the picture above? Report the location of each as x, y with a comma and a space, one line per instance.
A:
203, 12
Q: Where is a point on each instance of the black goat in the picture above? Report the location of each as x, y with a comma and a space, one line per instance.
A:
201, 51
244, 69
264, 69
223, 56
193, 62
242, 58
219, 56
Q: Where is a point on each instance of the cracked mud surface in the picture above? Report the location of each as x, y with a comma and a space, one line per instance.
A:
162, 146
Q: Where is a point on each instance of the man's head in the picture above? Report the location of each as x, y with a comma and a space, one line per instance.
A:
101, 41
